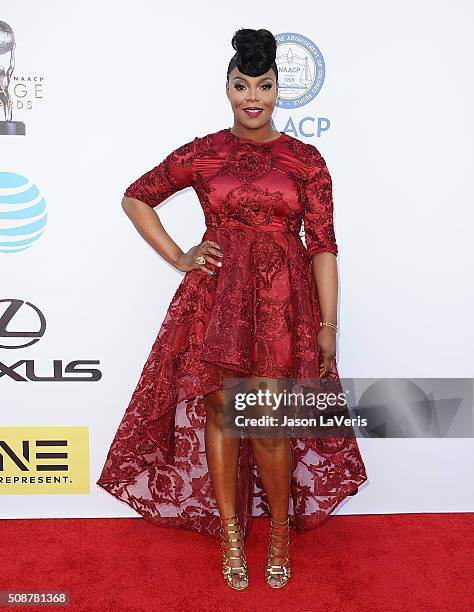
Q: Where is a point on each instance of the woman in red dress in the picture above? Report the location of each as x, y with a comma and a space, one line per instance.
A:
254, 303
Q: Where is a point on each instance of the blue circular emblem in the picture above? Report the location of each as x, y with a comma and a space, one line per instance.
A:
300, 70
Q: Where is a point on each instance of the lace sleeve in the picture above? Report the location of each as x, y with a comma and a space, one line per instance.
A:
175, 172
318, 211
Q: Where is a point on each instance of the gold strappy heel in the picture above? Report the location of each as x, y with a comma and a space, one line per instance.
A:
277, 575
236, 577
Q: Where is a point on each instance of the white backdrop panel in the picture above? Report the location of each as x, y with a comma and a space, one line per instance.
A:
124, 84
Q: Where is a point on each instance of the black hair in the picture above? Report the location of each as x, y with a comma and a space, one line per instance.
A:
255, 52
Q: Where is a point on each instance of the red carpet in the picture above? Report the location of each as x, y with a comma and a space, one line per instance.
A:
401, 562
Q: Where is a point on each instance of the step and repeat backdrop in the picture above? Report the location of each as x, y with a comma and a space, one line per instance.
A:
94, 94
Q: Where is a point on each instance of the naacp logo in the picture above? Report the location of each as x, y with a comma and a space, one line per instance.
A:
300, 70
22, 213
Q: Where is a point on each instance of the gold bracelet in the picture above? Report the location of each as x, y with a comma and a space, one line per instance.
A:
328, 324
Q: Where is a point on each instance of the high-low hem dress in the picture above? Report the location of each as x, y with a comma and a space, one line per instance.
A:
259, 315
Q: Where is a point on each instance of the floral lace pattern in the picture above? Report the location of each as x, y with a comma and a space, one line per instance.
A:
259, 315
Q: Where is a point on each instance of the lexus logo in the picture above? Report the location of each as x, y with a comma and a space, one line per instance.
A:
22, 324
29, 316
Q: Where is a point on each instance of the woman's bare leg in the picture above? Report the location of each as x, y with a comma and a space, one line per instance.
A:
222, 454
273, 457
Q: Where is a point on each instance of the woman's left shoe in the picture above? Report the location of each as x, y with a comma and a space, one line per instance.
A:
277, 573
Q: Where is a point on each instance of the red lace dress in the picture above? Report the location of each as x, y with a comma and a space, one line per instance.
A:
258, 315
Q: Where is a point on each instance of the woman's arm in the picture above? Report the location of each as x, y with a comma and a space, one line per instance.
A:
322, 247
174, 173
326, 279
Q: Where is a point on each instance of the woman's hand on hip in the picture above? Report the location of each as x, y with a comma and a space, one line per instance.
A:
207, 249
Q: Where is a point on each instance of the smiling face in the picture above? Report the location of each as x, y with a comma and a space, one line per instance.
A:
252, 98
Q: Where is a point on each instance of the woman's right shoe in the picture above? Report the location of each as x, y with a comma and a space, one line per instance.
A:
236, 575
